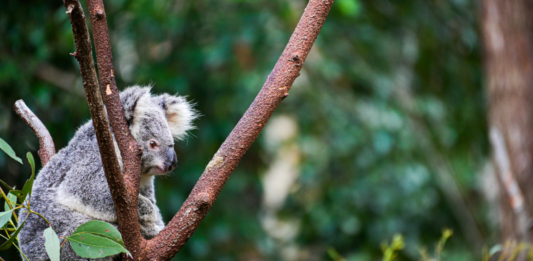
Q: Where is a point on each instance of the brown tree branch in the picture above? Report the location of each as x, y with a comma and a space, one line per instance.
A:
125, 209
131, 152
217, 172
125, 202
125, 190
46, 143
128, 146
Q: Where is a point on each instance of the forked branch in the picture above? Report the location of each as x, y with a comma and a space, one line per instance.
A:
125, 202
125, 190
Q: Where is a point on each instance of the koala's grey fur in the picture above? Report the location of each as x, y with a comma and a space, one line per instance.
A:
72, 189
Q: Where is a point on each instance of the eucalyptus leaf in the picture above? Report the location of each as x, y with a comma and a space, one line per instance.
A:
5, 217
100, 228
29, 183
8, 243
31, 161
13, 200
9, 151
93, 246
51, 244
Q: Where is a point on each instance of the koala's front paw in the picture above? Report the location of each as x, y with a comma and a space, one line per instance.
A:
149, 218
147, 210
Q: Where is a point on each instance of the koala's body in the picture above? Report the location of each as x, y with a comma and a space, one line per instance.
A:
72, 189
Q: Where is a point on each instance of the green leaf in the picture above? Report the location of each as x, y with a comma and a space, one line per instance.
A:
100, 228
29, 183
9, 151
92, 246
97, 239
31, 161
51, 244
5, 217
8, 243
12, 199
5, 185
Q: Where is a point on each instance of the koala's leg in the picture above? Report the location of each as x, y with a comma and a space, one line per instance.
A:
150, 218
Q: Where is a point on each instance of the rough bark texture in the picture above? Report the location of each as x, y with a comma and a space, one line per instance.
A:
130, 151
125, 206
46, 143
508, 36
125, 190
275, 89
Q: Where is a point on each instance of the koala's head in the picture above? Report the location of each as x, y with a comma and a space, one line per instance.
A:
155, 122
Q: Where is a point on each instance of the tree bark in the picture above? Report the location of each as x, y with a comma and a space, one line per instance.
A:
508, 34
131, 152
47, 148
217, 172
124, 189
125, 203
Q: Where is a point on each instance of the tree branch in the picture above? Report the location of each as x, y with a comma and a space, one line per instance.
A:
125, 190
125, 206
217, 172
131, 152
126, 143
46, 143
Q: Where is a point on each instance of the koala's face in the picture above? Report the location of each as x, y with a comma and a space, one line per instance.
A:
155, 122
154, 135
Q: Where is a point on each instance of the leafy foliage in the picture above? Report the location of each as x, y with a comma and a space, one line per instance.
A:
51, 244
97, 239
5, 217
12, 238
8, 150
94, 239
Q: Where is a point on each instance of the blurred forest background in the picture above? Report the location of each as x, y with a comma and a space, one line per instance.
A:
384, 132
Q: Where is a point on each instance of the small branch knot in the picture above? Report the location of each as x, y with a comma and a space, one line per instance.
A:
100, 14
70, 8
295, 58
203, 198
202, 201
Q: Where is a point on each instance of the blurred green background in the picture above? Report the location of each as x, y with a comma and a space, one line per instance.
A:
384, 132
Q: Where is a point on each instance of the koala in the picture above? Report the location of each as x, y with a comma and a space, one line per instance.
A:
72, 188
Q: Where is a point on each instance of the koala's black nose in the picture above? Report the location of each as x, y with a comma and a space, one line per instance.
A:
172, 160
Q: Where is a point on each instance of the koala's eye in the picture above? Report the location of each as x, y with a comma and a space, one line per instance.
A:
153, 144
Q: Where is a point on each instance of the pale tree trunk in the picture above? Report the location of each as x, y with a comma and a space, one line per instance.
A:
507, 32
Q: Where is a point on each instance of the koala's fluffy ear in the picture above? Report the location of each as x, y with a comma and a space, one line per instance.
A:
134, 99
179, 113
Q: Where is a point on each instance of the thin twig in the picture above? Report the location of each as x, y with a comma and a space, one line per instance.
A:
46, 143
